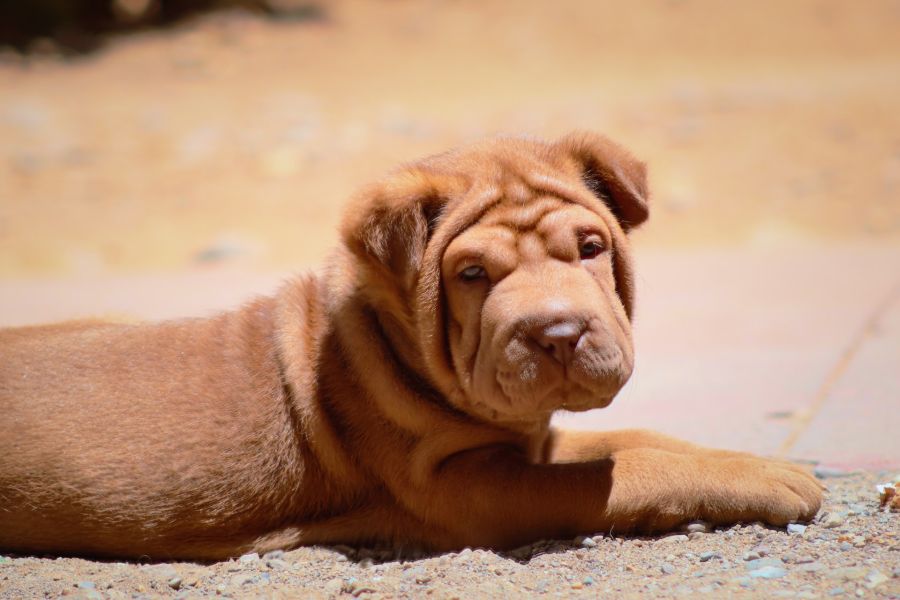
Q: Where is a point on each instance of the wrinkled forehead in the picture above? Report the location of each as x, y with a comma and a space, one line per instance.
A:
546, 216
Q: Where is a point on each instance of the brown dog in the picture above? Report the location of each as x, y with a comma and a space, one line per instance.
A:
402, 395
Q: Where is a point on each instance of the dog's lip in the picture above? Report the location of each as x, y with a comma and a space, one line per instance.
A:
554, 398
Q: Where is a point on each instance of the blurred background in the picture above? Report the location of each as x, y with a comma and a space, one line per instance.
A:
169, 157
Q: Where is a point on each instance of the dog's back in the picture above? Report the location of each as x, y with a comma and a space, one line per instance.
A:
113, 437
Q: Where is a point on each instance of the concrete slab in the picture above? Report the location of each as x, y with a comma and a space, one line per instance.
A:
733, 346
858, 421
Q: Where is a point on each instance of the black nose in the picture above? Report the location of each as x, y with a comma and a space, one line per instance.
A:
560, 339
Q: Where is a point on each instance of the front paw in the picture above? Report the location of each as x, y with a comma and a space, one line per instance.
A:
756, 489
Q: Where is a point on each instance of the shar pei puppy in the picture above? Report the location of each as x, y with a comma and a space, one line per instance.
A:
401, 395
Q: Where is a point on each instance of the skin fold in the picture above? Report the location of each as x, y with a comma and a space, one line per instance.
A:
400, 395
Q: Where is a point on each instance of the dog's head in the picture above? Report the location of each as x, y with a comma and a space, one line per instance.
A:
501, 272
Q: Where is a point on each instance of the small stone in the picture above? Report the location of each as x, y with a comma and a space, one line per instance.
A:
241, 579
837, 591
848, 573
277, 564
697, 527
174, 583
752, 555
333, 586
249, 558
220, 589
844, 546
804, 559
577, 585
875, 578
694, 535
360, 590
768, 572
763, 562
706, 556
273, 554
828, 472
832, 520
585, 541
859, 541
796, 529
813, 567
672, 539
667, 569
86, 585
588, 580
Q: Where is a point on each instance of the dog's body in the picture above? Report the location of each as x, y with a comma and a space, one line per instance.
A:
401, 395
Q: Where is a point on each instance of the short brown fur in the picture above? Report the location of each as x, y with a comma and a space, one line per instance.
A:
401, 395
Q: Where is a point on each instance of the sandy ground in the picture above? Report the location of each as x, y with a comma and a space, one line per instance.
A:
853, 550
233, 141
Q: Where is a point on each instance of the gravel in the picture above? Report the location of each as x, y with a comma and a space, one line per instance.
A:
742, 561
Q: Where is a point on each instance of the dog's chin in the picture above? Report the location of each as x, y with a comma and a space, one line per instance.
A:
501, 407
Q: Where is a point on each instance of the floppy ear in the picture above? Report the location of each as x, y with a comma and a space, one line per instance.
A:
612, 174
390, 223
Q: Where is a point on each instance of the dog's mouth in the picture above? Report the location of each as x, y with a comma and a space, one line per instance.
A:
527, 384
518, 398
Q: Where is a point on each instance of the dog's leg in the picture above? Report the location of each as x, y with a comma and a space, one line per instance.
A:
495, 497
564, 446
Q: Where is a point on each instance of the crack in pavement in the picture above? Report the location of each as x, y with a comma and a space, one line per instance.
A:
836, 372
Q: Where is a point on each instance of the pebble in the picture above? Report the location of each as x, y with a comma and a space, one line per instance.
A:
828, 472
832, 520
763, 562
249, 558
273, 554
86, 585
875, 578
752, 555
241, 579
667, 569
697, 527
174, 583
277, 564
812, 567
334, 586
796, 529
672, 539
586, 542
706, 556
847, 573
768, 572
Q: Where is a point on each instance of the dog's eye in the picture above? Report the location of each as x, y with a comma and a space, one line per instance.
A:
590, 249
472, 273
